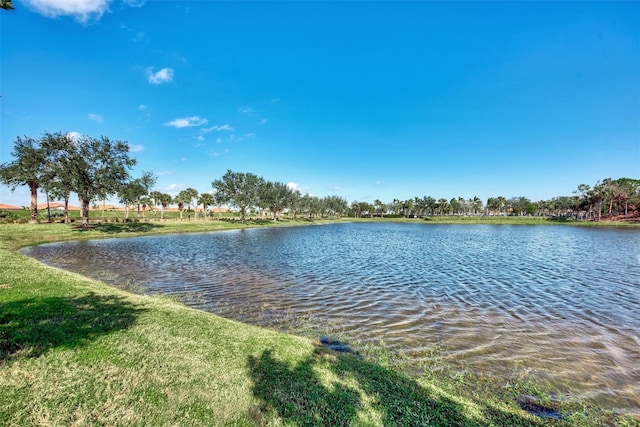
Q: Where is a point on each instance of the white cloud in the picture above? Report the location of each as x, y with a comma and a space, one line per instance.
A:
134, 148
186, 122
200, 138
165, 75
263, 122
165, 173
142, 107
249, 135
74, 135
83, 11
95, 117
293, 185
214, 154
218, 128
174, 189
377, 183
336, 188
218, 140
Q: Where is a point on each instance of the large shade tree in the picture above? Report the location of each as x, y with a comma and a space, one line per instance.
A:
275, 196
98, 168
58, 182
28, 168
238, 189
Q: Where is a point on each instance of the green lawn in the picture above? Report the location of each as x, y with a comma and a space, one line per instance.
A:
74, 351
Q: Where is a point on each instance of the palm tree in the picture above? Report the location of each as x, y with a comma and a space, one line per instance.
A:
206, 200
379, 207
164, 200
443, 206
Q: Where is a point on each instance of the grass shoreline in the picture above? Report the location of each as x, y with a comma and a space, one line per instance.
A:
76, 351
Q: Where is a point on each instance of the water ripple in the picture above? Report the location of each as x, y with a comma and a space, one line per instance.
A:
561, 301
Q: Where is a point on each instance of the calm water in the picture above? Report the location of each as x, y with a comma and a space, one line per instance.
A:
560, 302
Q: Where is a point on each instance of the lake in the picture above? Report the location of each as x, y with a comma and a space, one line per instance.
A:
559, 302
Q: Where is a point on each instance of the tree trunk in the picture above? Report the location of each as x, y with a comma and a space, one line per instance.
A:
48, 208
85, 212
66, 210
33, 187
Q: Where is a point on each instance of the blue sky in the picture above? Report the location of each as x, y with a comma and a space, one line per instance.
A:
364, 100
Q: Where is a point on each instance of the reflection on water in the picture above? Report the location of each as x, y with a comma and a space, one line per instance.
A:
559, 300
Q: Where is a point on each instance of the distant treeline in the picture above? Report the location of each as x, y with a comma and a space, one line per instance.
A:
97, 168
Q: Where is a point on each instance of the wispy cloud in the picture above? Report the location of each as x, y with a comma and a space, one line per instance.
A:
142, 107
165, 75
135, 3
218, 128
263, 121
165, 173
247, 110
186, 122
135, 148
336, 188
82, 11
249, 135
95, 117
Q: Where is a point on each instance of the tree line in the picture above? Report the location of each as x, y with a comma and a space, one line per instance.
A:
98, 168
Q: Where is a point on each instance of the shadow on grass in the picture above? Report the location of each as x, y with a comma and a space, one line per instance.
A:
30, 327
298, 396
127, 227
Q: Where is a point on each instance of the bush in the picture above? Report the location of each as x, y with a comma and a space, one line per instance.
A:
5, 214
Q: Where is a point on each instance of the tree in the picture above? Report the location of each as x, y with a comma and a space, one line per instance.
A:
98, 167
6, 5
239, 189
28, 168
164, 200
58, 182
476, 204
155, 198
457, 205
379, 207
275, 196
295, 202
131, 192
206, 200
183, 199
443, 205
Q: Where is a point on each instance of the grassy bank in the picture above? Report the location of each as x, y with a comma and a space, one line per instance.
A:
74, 351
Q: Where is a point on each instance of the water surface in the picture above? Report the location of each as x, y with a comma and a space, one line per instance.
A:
559, 302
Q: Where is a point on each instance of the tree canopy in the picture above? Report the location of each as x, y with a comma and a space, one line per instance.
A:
239, 189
